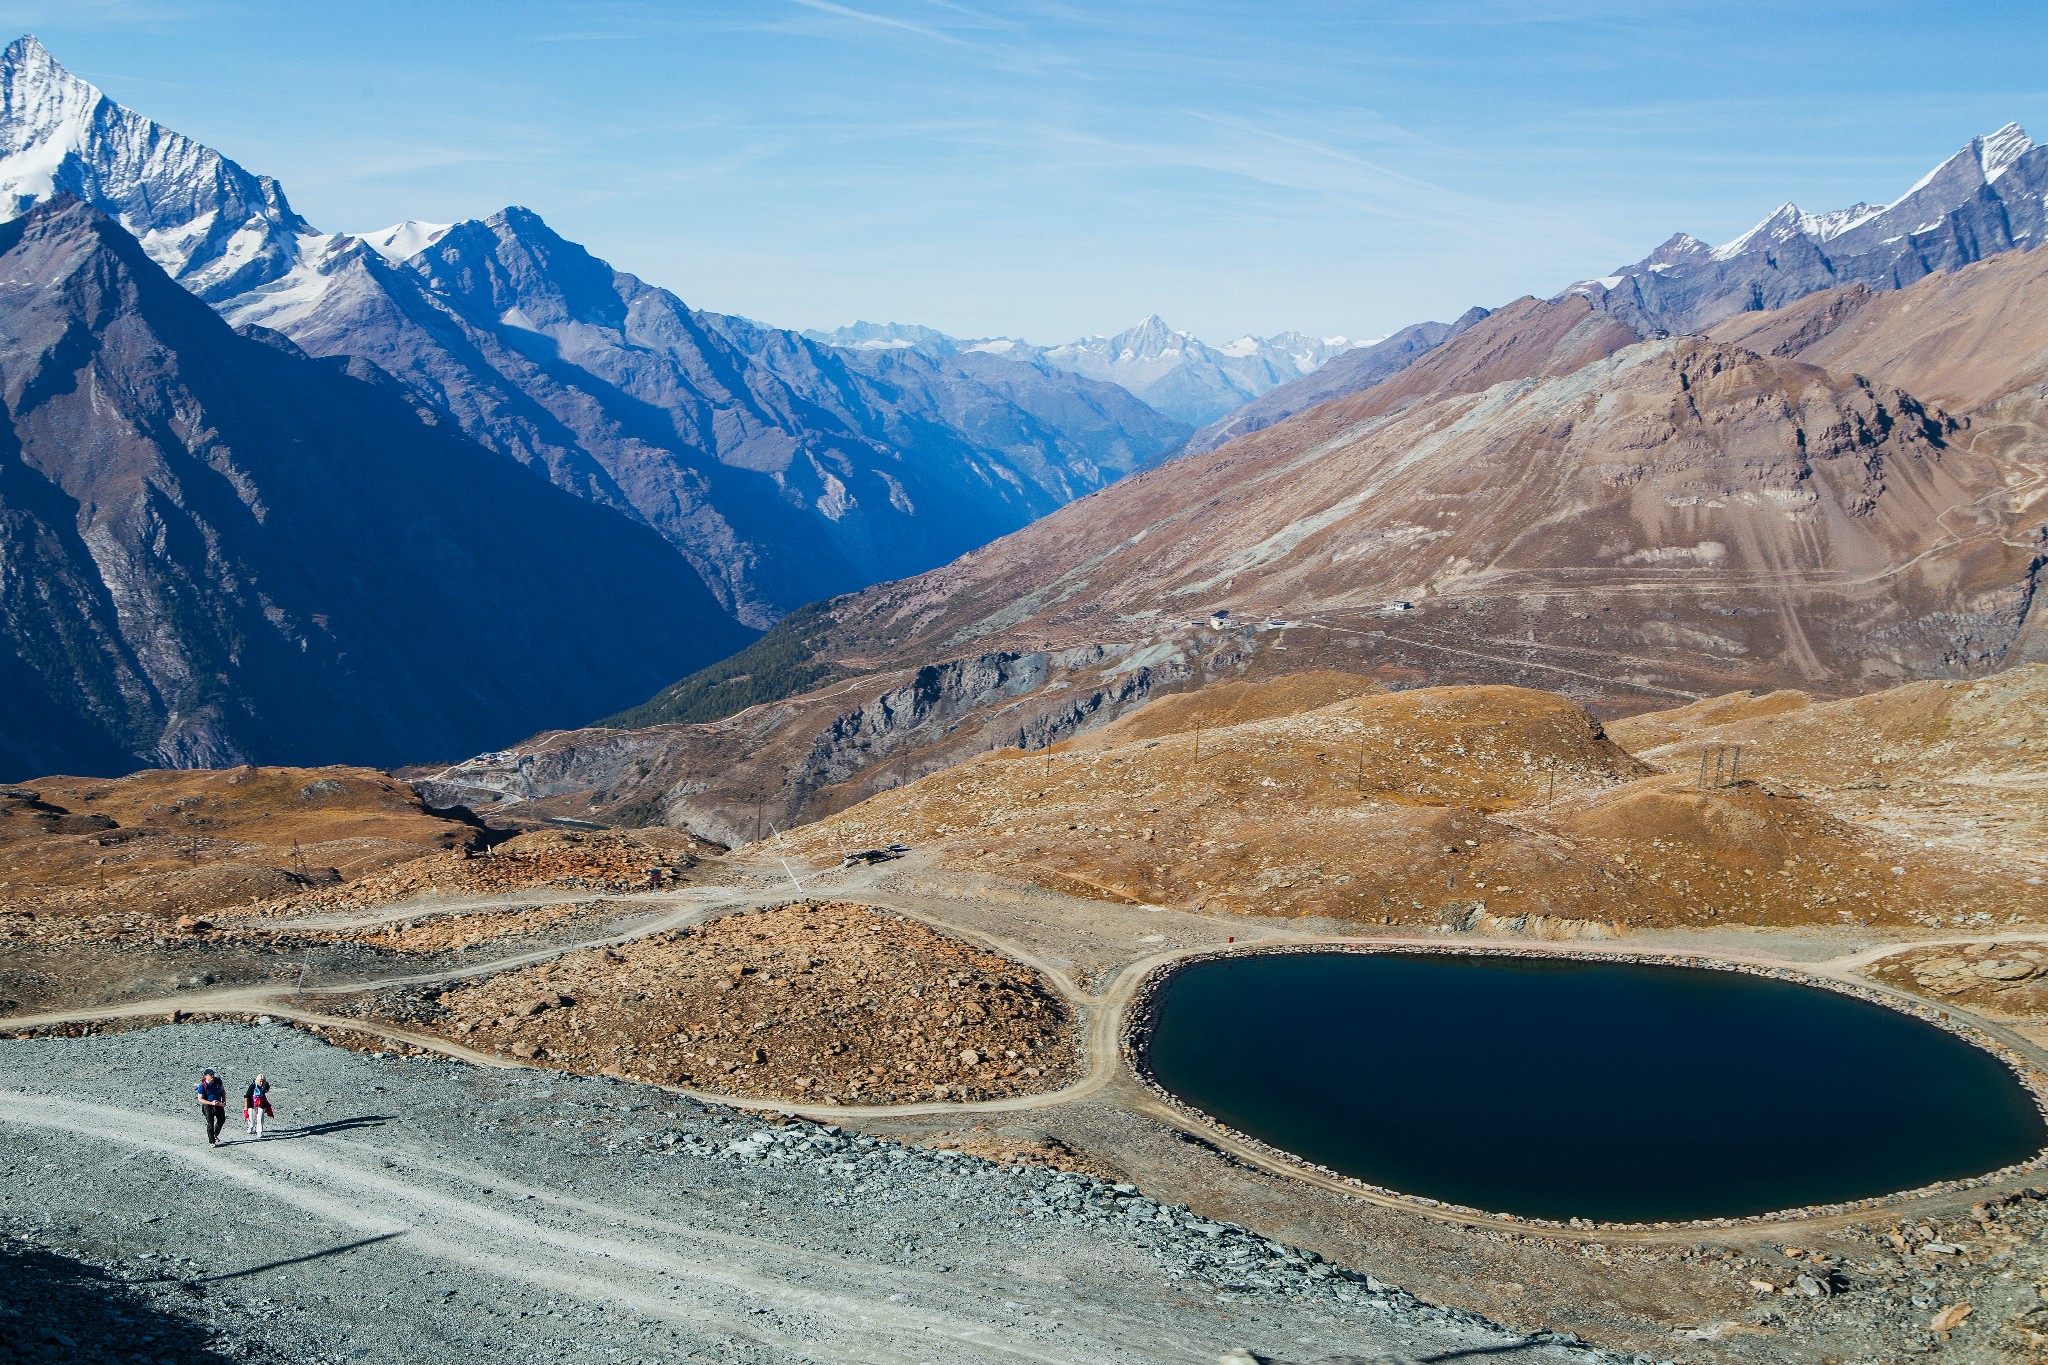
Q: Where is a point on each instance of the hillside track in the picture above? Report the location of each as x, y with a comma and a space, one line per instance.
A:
1101, 1015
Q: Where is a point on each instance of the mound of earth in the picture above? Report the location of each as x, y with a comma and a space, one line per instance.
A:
1956, 764
164, 843
592, 860
827, 1002
1490, 808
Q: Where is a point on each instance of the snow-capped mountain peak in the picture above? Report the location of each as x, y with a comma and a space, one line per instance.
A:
402, 240
1991, 195
213, 226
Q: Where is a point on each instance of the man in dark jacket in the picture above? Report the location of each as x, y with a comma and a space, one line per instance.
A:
213, 1105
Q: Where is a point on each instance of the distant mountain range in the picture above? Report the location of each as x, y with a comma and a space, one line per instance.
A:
1171, 370
782, 470
1990, 197
1833, 496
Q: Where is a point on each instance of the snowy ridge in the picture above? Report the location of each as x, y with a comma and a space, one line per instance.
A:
403, 240
217, 229
1997, 151
1989, 196
1172, 369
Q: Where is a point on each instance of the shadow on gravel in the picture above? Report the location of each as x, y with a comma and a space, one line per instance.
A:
315, 1129
55, 1309
301, 1260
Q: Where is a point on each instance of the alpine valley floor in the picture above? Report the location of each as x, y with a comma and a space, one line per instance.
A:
423, 1190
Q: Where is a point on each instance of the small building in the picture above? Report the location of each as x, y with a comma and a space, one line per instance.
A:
1219, 618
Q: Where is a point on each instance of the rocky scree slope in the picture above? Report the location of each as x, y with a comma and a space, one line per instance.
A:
832, 1003
781, 471
213, 547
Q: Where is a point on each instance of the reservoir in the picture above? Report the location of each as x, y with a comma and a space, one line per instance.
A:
1559, 1088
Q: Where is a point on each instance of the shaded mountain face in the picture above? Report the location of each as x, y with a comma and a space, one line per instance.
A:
778, 469
1990, 197
214, 548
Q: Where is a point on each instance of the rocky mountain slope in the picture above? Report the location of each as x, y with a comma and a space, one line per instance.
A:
1990, 197
1974, 339
1173, 371
1541, 501
213, 547
780, 471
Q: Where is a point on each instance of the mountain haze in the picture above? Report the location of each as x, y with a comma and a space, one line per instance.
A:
1171, 370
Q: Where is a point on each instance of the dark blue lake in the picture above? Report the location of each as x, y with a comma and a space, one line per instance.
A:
1555, 1088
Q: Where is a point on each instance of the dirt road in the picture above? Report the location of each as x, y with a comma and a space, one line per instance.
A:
423, 1210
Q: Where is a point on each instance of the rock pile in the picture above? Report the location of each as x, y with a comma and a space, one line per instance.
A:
830, 1002
2006, 978
600, 860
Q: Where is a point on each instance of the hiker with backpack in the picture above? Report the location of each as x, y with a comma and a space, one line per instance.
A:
213, 1105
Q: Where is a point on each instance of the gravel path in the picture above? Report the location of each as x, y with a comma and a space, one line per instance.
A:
423, 1210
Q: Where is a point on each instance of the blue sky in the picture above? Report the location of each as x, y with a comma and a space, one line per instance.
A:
1054, 169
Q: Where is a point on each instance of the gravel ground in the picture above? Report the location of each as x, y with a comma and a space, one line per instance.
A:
416, 1210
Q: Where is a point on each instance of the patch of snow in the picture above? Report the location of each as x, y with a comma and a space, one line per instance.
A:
403, 240
292, 295
1997, 151
1000, 346
1785, 217
1822, 227
1243, 346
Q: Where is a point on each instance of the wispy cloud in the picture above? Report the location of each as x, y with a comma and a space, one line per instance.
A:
882, 20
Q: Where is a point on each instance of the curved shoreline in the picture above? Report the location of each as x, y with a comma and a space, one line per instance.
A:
1141, 1012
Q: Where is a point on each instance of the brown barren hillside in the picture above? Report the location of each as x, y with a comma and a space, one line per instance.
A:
1670, 520
1965, 339
826, 1001
1475, 807
1962, 764
167, 842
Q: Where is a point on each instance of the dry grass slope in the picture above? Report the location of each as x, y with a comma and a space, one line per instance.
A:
1482, 807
